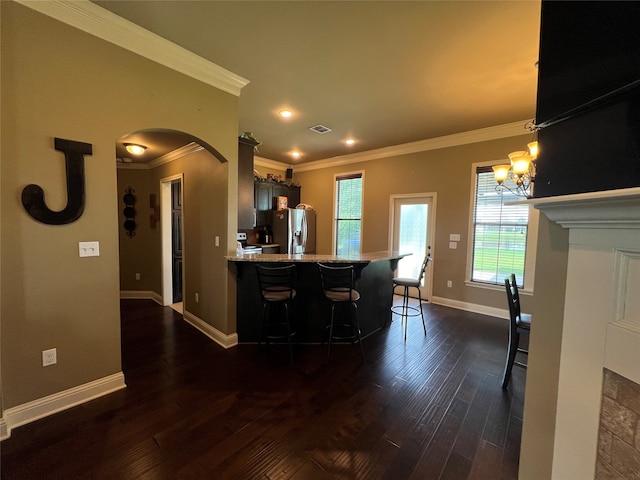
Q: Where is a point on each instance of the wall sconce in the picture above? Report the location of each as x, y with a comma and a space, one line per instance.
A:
522, 169
134, 149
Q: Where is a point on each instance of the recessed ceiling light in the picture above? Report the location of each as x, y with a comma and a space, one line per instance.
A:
349, 141
295, 154
135, 149
285, 113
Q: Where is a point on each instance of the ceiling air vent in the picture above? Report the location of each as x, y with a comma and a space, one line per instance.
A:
320, 129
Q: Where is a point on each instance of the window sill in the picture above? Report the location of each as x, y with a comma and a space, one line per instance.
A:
496, 288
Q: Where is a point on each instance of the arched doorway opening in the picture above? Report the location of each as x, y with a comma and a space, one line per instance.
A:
151, 263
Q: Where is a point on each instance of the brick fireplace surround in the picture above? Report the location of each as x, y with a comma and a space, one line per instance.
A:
619, 435
599, 368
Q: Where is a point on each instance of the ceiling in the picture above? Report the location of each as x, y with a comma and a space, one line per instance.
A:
382, 72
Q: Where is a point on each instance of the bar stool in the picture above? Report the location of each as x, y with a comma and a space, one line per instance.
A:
338, 286
276, 289
405, 310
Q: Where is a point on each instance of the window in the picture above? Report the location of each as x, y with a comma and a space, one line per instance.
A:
348, 213
500, 234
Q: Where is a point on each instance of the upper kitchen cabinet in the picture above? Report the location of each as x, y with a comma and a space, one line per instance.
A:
266, 194
246, 147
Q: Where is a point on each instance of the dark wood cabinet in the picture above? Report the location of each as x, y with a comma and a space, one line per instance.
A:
245, 183
266, 193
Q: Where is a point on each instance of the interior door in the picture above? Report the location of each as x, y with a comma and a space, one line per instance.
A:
413, 220
176, 239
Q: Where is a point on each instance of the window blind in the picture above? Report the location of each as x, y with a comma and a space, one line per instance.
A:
348, 216
499, 231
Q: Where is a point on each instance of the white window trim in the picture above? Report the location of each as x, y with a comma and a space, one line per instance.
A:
335, 208
532, 240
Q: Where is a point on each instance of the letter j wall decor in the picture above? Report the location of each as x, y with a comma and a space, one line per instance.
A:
33, 195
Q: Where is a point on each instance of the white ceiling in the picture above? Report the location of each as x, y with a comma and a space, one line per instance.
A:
383, 72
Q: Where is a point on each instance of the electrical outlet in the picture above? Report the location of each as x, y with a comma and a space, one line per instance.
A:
453, 245
449, 283
197, 297
137, 276
49, 357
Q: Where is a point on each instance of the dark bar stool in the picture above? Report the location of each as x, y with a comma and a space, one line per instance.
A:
276, 289
338, 285
519, 323
405, 310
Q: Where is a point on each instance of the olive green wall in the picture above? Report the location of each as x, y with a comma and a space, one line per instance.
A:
139, 253
204, 217
446, 172
60, 82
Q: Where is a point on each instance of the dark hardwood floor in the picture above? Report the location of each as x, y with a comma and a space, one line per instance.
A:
428, 409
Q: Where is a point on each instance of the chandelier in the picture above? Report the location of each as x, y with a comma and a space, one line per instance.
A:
522, 169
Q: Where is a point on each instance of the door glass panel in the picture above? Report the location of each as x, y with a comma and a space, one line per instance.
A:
412, 238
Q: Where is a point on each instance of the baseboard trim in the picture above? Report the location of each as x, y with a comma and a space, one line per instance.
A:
471, 307
43, 407
4, 432
222, 339
141, 295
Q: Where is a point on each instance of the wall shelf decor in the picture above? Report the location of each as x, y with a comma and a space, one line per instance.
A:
129, 212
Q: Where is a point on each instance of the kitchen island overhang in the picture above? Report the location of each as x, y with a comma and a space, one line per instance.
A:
374, 274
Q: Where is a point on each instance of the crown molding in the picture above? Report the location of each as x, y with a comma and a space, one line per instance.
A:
169, 157
176, 154
101, 23
473, 136
265, 162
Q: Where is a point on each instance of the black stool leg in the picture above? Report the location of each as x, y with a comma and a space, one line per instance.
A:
357, 328
424, 327
286, 316
264, 326
405, 311
333, 306
514, 340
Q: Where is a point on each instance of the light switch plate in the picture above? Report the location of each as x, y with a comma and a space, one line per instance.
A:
454, 237
89, 249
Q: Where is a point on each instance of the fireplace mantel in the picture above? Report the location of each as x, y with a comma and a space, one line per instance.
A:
607, 209
601, 319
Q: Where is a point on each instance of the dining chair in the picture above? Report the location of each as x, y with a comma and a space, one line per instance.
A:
519, 323
277, 290
338, 286
405, 310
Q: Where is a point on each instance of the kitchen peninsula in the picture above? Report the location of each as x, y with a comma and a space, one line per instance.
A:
374, 272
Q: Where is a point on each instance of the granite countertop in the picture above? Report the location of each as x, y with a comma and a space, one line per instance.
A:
313, 258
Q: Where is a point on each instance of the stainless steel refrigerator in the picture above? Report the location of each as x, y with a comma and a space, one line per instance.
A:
294, 229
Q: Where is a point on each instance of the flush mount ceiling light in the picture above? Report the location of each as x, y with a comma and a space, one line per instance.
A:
134, 148
522, 170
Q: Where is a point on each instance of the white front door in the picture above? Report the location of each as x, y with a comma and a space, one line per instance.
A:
412, 227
